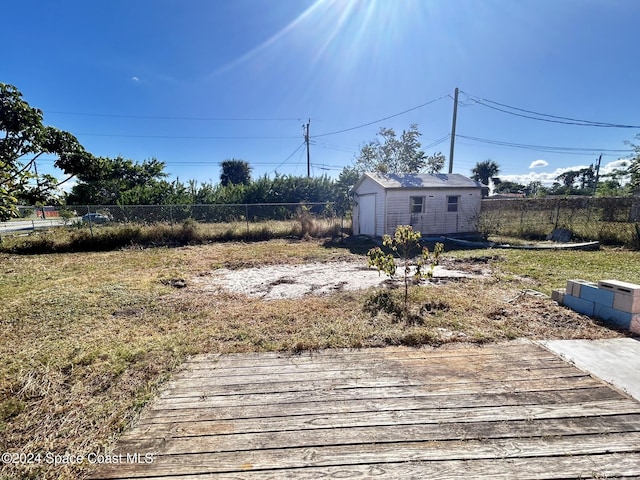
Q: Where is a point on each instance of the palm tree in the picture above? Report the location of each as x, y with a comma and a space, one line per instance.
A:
485, 171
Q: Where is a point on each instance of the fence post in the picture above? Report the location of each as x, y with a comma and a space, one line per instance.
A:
555, 226
90, 222
171, 217
246, 217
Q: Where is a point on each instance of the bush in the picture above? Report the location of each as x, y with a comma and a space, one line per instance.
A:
382, 301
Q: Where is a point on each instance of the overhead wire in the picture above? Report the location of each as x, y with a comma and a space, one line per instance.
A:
544, 148
438, 142
549, 118
160, 117
191, 137
380, 119
287, 159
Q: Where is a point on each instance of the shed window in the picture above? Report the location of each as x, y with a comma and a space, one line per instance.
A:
452, 203
417, 204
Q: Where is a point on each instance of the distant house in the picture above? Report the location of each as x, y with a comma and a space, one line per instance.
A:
437, 204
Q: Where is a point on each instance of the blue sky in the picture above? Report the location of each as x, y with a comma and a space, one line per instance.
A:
195, 82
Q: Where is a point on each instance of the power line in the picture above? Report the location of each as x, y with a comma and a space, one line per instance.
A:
381, 119
546, 148
188, 137
159, 117
292, 154
550, 118
437, 142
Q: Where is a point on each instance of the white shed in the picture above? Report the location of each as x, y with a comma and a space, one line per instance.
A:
438, 204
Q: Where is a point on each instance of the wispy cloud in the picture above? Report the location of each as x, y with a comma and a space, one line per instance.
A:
135, 79
539, 164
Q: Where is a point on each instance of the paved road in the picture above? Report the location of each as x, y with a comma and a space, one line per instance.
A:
26, 225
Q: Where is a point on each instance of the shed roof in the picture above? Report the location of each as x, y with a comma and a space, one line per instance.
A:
420, 180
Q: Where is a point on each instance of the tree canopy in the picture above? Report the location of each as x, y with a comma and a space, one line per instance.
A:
392, 154
235, 172
24, 138
121, 181
484, 171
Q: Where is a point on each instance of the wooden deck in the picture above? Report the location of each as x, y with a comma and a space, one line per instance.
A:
512, 410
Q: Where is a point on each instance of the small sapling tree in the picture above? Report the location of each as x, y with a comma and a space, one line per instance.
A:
405, 243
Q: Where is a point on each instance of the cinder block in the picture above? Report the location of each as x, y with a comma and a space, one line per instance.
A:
627, 295
617, 286
594, 294
635, 324
626, 303
558, 295
579, 305
574, 286
613, 316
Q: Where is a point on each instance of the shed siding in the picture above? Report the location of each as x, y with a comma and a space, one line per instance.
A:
368, 187
393, 204
435, 220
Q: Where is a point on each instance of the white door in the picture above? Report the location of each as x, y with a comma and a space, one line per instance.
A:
367, 214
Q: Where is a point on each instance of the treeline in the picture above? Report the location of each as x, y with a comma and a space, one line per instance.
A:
124, 182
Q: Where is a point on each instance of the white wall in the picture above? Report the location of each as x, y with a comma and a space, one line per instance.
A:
435, 220
368, 187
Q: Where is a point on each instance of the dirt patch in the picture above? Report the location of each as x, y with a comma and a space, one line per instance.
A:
294, 281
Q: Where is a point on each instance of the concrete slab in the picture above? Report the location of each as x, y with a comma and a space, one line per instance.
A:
614, 360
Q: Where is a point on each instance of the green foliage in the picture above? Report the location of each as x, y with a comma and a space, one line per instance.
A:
392, 154
435, 163
405, 243
484, 171
346, 181
382, 301
121, 181
633, 170
235, 172
23, 138
509, 187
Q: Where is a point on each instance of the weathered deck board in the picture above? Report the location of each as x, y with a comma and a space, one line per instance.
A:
543, 468
500, 411
397, 400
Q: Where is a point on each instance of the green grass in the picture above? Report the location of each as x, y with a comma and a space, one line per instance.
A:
89, 338
548, 269
585, 224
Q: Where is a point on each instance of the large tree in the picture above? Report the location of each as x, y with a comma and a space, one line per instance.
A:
633, 169
235, 172
121, 181
435, 163
484, 171
23, 138
392, 154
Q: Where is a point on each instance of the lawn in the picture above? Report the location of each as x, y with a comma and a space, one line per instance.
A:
89, 338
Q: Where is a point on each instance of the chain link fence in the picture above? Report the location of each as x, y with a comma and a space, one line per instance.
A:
274, 216
611, 220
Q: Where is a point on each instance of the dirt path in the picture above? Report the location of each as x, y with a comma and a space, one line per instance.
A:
295, 281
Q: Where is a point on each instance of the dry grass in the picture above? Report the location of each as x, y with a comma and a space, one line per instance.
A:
82, 238
88, 338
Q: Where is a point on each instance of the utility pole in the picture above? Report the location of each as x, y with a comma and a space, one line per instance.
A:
306, 140
453, 130
595, 185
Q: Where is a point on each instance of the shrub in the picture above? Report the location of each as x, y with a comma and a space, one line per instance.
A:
405, 243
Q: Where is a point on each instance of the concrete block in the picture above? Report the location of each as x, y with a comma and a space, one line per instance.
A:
617, 286
612, 316
597, 295
579, 305
573, 287
626, 303
558, 295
